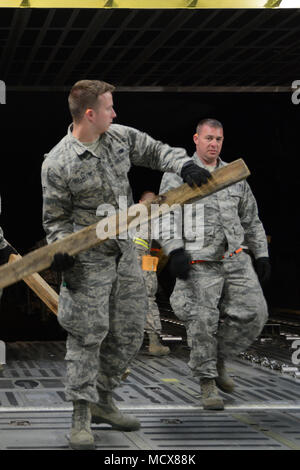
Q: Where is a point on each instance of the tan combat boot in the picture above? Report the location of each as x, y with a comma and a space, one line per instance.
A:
81, 437
223, 381
155, 347
211, 399
105, 411
125, 375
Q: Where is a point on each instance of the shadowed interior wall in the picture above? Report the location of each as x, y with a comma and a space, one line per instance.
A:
260, 128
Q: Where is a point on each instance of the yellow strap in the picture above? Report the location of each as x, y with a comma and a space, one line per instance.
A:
140, 241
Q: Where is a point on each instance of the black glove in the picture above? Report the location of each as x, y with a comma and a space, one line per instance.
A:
5, 253
180, 263
194, 174
62, 261
263, 269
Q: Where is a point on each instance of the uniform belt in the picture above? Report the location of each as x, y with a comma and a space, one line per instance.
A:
235, 252
195, 261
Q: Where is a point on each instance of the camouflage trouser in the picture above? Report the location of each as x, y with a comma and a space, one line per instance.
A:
223, 308
153, 322
102, 306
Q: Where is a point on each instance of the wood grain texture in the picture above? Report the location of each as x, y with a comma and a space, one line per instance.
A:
40, 287
88, 237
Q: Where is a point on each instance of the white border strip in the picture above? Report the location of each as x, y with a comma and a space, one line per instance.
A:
149, 408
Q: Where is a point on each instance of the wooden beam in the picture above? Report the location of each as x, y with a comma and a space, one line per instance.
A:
88, 237
40, 287
286, 310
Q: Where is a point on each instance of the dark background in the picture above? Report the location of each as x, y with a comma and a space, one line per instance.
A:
177, 53
263, 129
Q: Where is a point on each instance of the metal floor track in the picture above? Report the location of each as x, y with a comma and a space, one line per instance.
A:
263, 413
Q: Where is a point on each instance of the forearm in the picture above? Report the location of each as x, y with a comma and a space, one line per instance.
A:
255, 236
256, 241
57, 206
168, 228
154, 154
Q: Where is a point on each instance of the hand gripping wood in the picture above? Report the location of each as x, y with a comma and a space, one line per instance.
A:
88, 237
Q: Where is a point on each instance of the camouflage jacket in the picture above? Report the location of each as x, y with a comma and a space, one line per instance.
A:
76, 181
215, 226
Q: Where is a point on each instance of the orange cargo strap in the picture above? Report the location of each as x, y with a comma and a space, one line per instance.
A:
195, 261
235, 252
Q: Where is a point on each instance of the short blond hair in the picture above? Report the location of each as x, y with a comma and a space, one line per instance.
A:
84, 95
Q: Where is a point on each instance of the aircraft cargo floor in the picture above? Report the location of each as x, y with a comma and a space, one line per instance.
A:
263, 413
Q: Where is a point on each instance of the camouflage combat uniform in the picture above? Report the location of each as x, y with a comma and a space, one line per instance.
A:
153, 323
222, 303
102, 300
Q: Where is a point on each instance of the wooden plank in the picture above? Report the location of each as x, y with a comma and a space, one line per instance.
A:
89, 237
40, 287
286, 310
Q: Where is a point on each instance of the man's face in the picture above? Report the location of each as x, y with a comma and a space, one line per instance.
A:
147, 196
104, 113
209, 141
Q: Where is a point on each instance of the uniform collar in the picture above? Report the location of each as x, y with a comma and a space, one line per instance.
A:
200, 163
77, 146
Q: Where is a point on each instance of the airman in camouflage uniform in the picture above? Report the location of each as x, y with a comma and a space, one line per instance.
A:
153, 323
102, 300
221, 302
5, 250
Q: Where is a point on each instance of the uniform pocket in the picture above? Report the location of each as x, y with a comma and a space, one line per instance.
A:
203, 238
183, 299
121, 160
236, 190
86, 180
